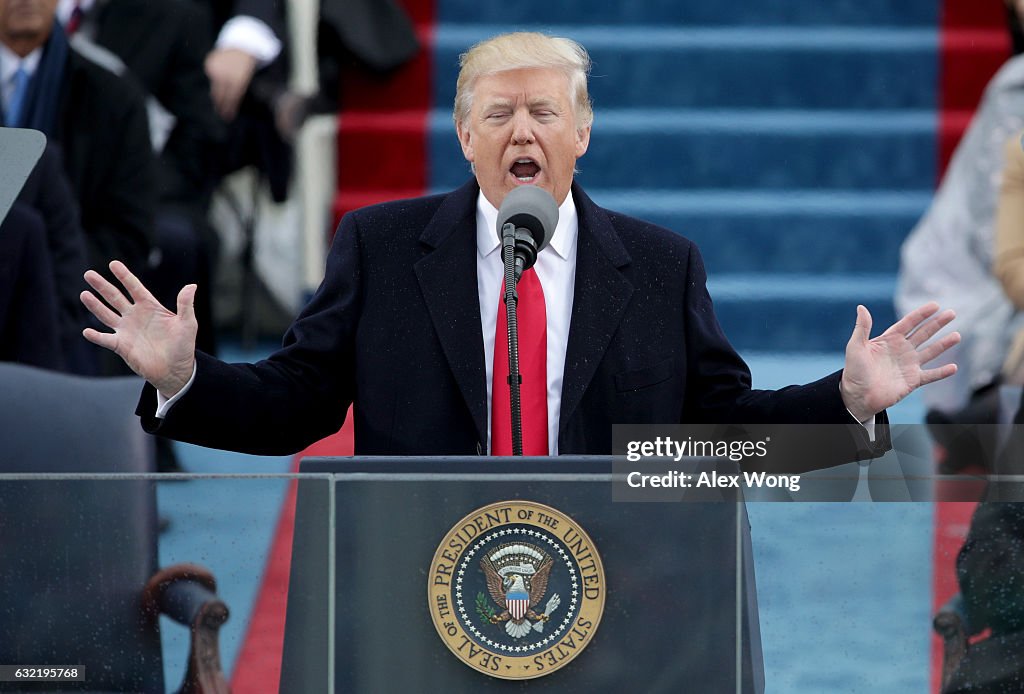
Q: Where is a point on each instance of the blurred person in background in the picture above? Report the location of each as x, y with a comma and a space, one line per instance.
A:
48, 193
248, 73
990, 570
29, 324
98, 119
948, 258
185, 131
1008, 267
249, 64
248, 39
990, 564
99, 123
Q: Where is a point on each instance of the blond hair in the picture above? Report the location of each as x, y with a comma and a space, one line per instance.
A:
522, 50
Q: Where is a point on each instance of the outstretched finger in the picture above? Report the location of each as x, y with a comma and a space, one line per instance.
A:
100, 310
187, 301
111, 294
926, 331
937, 374
136, 289
906, 324
106, 340
862, 329
938, 347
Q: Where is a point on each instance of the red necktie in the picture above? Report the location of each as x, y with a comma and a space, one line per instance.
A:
75, 20
533, 359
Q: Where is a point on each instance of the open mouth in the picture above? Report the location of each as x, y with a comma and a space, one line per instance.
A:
525, 170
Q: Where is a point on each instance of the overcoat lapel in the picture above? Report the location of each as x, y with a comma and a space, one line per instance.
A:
600, 297
447, 278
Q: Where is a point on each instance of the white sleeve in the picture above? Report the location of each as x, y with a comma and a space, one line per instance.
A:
868, 424
252, 36
163, 405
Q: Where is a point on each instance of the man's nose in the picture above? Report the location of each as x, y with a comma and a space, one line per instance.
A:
522, 128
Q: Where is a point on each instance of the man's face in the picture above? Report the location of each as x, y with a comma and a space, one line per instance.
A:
26, 22
522, 131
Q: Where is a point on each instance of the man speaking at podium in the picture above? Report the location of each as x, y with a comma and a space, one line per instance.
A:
616, 324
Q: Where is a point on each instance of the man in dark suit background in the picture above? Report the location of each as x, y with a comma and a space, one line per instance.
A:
162, 47
48, 192
404, 323
29, 318
98, 119
248, 73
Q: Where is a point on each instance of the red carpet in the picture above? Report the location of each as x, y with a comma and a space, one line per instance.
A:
382, 127
973, 44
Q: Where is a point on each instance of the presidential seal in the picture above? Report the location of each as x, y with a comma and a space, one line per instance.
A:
516, 590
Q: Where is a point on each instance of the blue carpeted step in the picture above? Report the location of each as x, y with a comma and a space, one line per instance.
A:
737, 149
798, 313
754, 13
780, 67
793, 231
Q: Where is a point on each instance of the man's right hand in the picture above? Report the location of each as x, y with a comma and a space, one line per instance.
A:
230, 71
155, 343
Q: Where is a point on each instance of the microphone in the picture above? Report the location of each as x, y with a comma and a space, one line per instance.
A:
531, 215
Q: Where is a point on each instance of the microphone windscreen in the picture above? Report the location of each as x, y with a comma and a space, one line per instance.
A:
533, 208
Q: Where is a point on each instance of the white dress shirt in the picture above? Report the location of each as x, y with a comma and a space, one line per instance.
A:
252, 36
9, 64
556, 270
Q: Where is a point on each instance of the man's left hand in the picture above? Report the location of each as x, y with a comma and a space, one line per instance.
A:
882, 371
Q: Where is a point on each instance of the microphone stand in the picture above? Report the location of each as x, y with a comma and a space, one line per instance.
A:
513, 271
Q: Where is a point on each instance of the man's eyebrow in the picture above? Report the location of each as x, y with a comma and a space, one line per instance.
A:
505, 103
497, 102
544, 102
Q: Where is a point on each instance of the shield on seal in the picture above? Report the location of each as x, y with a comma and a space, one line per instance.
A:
517, 603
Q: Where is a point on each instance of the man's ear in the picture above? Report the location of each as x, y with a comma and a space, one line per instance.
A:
466, 140
582, 141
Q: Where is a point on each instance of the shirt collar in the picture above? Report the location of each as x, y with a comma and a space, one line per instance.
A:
11, 61
562, 241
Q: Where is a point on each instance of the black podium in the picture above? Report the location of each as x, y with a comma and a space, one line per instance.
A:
679, 614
